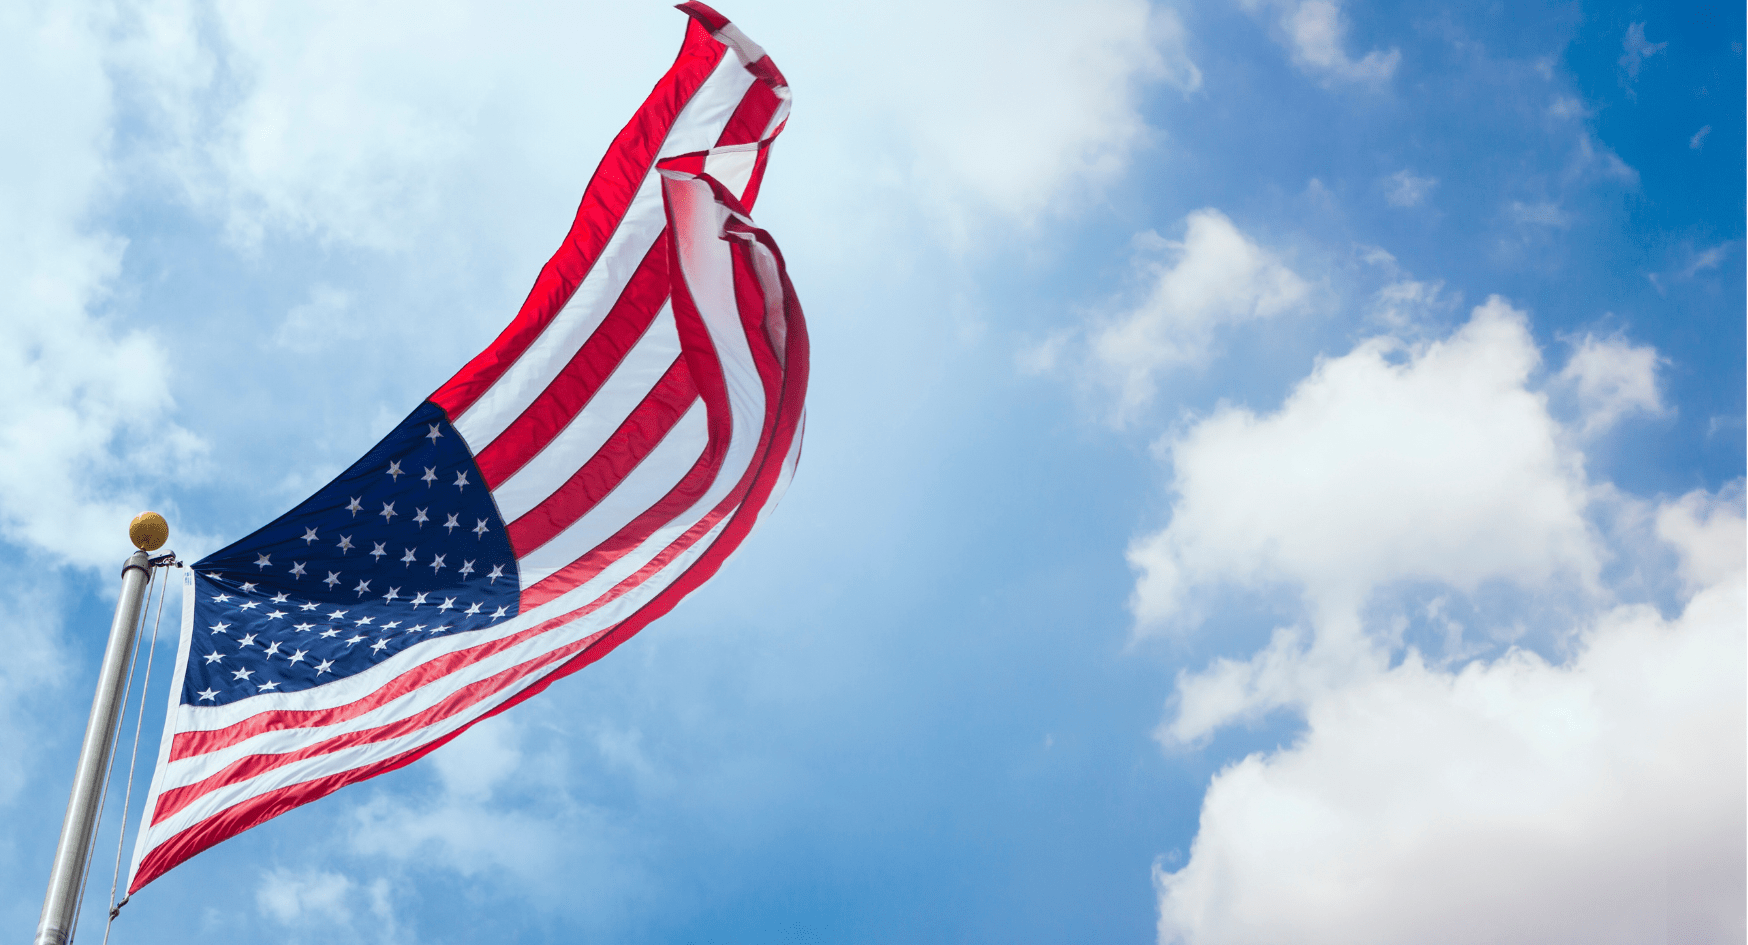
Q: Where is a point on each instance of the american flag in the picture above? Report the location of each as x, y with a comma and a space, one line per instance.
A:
595, 464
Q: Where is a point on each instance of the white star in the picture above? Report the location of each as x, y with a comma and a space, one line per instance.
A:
336, 615
276, 615
214, 657
249, 605
322, 667
460, 481
329, 633
242, 674
272, 649
434, 435
269, 685
247, 640
408, 558
297, 657
429, 477
247, 587
379, 646
220, 627
362, 621
448, 602
309, 535
391, 625
379, 550
332, 579
497, 572
471, 610
439, 629
207, 693
362, 587
419, 600
262, 561
354, 638
297, 570
393, 593
355, 507
394, 471
466, 568
500, 612
309, 606
420, 518
415, 628
480, 529
304, 627
280, 597
437, 563
221, 598
453, 523
345, 544
388, 512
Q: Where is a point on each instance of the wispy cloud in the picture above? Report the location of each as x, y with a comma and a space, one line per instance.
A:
1638, 49
1699, 138
1404, 189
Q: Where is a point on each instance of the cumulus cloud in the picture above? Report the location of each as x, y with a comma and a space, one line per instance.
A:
357, 124
1432, 462
89, 413
1215, 276
1612, 378
1316, 33
1513, 801
1598, 797
323, 906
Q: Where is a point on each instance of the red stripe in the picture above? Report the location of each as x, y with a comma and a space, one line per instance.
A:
589, 368
711, 19
750, 117
617, 458
609, 194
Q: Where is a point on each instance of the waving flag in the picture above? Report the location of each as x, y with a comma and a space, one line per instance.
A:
572, 483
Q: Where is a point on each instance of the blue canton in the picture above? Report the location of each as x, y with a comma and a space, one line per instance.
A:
404, 546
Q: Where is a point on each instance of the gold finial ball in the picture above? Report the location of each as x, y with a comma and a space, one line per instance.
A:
149, 531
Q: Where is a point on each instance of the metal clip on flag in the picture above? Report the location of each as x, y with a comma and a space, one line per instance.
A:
573, 482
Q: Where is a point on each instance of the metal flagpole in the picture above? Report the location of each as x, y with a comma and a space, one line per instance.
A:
60, 906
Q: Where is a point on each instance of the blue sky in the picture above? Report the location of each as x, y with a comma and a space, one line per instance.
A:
1274, 468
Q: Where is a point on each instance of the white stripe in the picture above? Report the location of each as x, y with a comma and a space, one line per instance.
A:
630, 382
653, 478
696, 128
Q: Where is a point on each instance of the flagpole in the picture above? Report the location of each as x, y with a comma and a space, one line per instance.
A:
60, 905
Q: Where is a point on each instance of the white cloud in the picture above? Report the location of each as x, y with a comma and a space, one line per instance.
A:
1430, 462
1216, 276
1513, 801
1638, 49
1540, 213
1612, 378
1699, 138
325, 318
1316, 33
1407, 190
318, 905
1707, 259
362, 123
88, 418
289, 896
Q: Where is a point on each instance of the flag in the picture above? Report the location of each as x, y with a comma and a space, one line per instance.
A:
595, 464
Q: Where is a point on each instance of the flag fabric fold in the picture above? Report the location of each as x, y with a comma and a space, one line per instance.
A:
575, 480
